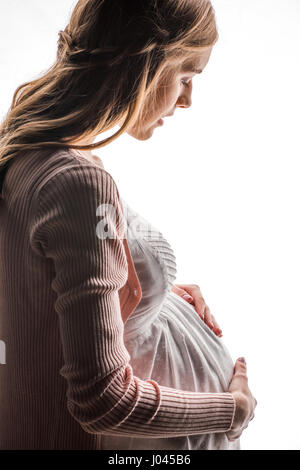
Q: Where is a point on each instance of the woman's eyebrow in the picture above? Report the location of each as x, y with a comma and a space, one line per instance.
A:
190, 68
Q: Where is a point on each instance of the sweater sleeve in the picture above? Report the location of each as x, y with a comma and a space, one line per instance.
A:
103, 394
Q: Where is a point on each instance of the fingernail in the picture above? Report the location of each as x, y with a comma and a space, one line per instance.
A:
242, 359
187, 297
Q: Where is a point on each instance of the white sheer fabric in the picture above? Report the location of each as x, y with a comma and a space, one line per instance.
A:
167, 340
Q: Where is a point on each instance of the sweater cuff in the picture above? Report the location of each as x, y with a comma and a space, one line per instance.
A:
214, 412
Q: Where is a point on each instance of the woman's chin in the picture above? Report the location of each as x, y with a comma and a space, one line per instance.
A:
141, 135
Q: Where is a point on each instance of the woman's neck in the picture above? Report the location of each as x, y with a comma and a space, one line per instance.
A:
88, 153
91, 157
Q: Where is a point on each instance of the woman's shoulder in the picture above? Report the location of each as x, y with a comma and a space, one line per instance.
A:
45, 167
58, 177
61, 161
72, 186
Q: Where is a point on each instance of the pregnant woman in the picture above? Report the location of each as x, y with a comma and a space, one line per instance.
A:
102, 349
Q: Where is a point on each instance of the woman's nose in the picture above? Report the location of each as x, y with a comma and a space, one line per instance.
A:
184, 100
186, 104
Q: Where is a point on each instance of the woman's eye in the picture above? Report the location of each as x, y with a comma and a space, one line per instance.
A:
185, 82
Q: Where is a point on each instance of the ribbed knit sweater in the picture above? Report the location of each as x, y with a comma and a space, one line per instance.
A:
67, 378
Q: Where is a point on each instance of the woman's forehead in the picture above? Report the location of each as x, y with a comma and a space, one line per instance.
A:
196, 62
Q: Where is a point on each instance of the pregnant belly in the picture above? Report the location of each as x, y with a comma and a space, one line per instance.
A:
179, 350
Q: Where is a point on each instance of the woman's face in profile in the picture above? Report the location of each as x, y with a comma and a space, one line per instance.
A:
174, 89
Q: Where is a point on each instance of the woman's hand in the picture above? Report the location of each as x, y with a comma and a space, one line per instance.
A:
244, 400
192, 294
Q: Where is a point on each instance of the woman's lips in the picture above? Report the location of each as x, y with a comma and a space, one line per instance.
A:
160, 122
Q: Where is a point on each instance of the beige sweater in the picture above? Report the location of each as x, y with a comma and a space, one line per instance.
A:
67, 377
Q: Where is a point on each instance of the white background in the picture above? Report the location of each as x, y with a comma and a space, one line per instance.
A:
220, 180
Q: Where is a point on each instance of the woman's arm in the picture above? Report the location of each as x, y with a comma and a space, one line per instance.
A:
103, 394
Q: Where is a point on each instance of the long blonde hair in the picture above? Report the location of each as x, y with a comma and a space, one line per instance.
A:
109, 58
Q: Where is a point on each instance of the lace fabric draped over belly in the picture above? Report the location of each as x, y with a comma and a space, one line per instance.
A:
166, 339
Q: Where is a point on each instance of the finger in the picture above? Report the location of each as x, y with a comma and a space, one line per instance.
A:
179, 291
192, 289
240, 372
200, 306
240, 364
217, 328
182, 293
208, 317
187, 297
234, 437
